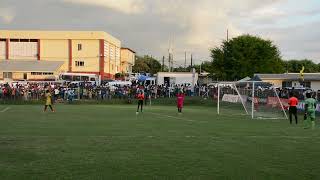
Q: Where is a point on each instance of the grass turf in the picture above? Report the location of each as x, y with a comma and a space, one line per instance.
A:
111, 142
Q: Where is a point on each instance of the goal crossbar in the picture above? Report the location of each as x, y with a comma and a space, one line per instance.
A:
253, 88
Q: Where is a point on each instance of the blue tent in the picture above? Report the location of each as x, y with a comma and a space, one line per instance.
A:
142, 78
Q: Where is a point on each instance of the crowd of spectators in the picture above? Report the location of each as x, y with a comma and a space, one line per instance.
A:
88, 91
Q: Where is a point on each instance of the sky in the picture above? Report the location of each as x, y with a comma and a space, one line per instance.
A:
150, 26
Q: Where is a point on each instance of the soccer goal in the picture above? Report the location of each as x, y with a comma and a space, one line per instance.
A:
252, 98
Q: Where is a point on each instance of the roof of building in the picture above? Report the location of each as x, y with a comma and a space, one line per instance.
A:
30, 66
30, 34
125, 48
244, 79
289, 76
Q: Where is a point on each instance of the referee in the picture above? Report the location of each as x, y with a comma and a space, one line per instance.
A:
293, 102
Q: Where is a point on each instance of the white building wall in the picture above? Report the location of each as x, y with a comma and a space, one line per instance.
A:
117, 54
106, 50
315, 85
180, 78
2, 49
23, 50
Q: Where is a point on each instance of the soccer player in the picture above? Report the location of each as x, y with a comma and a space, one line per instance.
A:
180, 101
293, 102
310, 111
140, 98
48, 101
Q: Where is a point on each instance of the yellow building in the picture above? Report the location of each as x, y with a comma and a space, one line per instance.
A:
128, 57
43, 55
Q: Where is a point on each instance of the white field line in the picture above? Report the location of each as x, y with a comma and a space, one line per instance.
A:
222, 137
5, 109
173, 117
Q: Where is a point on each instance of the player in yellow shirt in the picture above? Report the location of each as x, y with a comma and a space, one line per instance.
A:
48, 101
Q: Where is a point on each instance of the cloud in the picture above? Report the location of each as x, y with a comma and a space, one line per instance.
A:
123, 6
202, 25
195, 26
7, 15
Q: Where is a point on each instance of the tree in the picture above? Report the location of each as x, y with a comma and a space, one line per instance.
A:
140, 66
245, 55
294, 66
180, 69
146, 64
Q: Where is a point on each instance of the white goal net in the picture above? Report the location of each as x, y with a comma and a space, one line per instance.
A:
252, 98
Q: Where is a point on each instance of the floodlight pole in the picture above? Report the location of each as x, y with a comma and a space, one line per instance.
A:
252, 101
218, 105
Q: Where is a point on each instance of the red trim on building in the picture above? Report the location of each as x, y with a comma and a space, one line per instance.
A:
38, 48
7, 49
70, 55
109, 76
101, 59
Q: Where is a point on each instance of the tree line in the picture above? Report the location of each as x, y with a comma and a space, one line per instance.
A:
237, 58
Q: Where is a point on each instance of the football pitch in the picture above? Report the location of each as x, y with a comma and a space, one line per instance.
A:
112, 142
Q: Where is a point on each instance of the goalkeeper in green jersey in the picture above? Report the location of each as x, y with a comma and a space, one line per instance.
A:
310, 111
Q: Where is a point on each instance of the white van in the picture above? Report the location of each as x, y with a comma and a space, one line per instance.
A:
119, 83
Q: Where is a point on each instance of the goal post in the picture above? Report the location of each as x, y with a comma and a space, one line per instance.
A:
252, 98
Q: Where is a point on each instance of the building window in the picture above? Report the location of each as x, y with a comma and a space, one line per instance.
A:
79, 47
287, 84
24, 40
41, 73
112, 67
79, 63
307, 84
7, 75
14, 40
35, 73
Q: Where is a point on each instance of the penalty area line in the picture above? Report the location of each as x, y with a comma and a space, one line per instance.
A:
173, 117
5, 109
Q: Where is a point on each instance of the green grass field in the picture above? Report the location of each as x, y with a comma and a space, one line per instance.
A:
111, 142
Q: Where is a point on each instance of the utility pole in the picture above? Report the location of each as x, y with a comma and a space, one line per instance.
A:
169, 61
170, 51
185, 61
200, 68
162, 67
191, 62
227, 35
